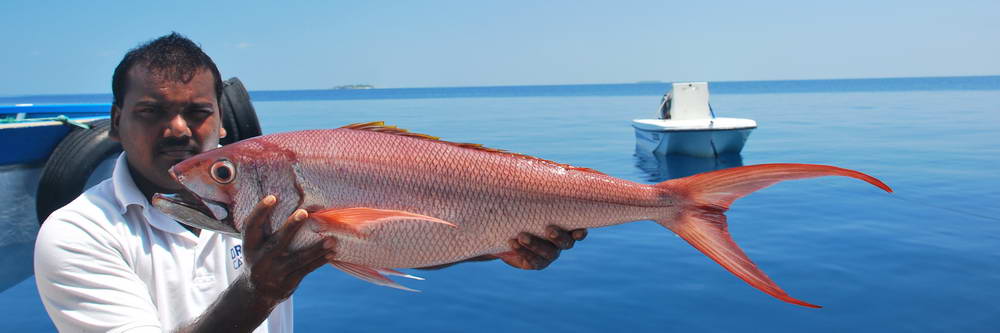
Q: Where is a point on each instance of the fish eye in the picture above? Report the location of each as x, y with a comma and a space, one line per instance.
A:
223, 171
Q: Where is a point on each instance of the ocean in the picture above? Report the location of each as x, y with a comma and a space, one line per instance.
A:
923, 259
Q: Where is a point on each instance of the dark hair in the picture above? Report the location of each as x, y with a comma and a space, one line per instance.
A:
173, 56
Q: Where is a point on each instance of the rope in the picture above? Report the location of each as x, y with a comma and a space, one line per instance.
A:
61, 118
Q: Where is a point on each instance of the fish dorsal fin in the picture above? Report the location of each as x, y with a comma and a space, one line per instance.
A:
379, 126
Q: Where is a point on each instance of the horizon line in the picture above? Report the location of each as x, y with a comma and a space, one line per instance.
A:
552, 85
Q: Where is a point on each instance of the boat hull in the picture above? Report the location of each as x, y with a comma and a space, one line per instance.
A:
708, 141
29, 145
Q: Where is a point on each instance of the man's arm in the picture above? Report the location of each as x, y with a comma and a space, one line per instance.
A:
272, 273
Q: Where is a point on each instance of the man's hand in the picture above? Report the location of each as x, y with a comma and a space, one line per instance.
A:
533, 252
273, 270
271, 274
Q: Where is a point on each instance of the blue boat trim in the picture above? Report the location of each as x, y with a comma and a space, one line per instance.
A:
31, 132
32, 111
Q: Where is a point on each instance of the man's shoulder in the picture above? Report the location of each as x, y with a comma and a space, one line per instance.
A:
95, 211
88, 228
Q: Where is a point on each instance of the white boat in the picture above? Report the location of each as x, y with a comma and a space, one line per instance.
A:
688, 126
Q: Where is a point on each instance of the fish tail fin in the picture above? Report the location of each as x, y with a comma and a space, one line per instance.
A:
707, 196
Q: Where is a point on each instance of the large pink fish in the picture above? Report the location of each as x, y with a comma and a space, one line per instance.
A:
395, 199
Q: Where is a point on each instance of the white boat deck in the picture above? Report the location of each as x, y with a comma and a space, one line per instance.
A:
708, 124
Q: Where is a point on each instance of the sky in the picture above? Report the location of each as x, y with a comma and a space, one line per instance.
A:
71, 48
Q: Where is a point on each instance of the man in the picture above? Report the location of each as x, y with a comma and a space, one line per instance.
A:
109, 261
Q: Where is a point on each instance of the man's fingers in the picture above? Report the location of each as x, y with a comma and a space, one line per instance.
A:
533, 260
309, 267
256, 221
561, 238
533, 252
291, 227
539, 246
523, 258
288, 282
307, 255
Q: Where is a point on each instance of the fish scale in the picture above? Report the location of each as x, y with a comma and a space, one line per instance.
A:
395, 199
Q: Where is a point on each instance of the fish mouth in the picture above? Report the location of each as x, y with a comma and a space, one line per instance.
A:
188, 208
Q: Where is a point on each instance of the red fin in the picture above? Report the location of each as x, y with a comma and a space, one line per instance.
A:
379, 126
373, 275
353, 220
724, 186
390, 271
706, 231
703, 224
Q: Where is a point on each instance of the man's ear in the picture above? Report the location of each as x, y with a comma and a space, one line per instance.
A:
222, 125
116, 116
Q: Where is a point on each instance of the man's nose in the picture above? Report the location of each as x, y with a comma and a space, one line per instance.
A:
178, 127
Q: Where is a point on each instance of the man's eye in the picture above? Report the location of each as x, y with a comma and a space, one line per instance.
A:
201, 112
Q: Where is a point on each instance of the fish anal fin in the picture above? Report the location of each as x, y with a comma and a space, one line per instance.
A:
354, 220
390, 271
372, 275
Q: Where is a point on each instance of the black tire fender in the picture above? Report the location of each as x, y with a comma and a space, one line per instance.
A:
70, 165
238, 115
79, 153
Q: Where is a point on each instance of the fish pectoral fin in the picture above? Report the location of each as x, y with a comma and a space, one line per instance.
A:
374, 275
353, 220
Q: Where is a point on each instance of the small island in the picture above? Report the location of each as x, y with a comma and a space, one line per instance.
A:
354, 86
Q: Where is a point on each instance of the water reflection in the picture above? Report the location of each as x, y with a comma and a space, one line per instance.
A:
16, 260
658, 168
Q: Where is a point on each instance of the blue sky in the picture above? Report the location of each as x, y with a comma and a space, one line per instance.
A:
55, 48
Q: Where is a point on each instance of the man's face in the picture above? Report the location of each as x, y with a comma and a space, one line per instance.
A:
162, 122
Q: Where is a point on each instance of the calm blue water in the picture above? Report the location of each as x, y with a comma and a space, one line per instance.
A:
926, 258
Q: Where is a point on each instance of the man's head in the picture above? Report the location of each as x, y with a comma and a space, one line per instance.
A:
166, 108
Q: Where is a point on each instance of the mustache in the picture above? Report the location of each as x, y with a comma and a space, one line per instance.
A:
176, 143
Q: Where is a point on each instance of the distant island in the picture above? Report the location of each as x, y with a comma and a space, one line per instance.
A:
354, 86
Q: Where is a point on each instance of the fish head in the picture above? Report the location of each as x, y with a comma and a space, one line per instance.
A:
220, 186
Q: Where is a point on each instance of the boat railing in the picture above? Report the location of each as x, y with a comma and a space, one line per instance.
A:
68, 114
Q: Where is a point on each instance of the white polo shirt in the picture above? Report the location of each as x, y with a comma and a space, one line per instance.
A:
109, 261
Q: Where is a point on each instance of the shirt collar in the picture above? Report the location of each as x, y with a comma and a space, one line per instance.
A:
128, 196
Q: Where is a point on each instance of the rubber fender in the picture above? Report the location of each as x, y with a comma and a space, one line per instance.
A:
238, 115
70, 165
